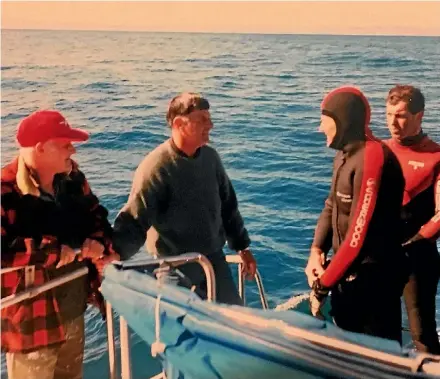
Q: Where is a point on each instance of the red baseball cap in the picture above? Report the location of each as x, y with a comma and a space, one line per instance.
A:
42, 126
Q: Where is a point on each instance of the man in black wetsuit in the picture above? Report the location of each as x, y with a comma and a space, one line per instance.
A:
360, 221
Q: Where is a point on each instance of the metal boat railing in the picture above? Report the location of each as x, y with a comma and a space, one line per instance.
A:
30, 292
241, 282
173, 262
123, 328
425, 363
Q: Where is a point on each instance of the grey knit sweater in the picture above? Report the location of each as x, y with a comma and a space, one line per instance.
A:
180, 204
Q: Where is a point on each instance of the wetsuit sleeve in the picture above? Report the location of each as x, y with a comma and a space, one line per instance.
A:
366, 184
136, 217
233, 224
431, 230
324, 230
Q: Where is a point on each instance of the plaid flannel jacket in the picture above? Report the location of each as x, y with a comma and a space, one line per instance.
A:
36, 323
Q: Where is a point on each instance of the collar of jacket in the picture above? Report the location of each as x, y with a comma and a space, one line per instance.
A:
26, 182
413, 140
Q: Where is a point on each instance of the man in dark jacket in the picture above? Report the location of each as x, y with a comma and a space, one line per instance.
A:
419, 157
361, 221
47, 211
183, 201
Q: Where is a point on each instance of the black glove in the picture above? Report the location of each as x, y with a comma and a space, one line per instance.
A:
320, 291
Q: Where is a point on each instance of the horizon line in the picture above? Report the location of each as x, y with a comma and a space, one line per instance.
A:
225, 32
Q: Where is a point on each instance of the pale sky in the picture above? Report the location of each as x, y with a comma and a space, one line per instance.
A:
325, 17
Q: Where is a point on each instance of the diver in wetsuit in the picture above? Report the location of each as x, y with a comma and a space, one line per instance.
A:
360, 220
419, 157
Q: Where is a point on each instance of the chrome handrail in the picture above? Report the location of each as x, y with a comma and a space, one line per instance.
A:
174, 261
241, 283
11, 269
110, 340
125, 349
35, 291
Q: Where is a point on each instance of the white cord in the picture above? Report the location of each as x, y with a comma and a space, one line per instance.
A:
292, 303
157, 347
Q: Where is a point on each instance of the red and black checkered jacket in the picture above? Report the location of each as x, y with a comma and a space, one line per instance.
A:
32, 231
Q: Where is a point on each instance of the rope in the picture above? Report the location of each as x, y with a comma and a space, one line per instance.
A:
158, 347
292, 303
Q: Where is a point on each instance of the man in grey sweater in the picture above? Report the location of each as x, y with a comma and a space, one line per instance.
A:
183, 201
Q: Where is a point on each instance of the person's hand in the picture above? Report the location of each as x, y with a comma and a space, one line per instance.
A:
67, 255
101, 263
316, 304
91, 249
315, 265
317, 298
249, 267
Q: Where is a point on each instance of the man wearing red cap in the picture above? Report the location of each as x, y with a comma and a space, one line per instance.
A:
361, 222
47, 211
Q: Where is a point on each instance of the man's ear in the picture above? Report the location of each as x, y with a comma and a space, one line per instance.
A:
178, 122
175, 123
39, 148
419, 116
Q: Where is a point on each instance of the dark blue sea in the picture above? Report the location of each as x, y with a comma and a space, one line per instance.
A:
265, 93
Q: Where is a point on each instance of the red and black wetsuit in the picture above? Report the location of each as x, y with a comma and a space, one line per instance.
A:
360, 221
419, 158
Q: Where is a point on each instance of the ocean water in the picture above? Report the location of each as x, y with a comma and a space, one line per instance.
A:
265, 92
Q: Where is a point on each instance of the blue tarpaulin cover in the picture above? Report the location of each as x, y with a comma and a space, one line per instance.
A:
205, 340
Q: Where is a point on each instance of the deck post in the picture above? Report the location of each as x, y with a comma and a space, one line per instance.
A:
110, 340
125, 349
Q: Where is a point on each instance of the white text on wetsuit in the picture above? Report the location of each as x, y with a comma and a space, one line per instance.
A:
360, 222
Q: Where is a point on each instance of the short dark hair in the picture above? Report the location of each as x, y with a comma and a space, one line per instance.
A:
184, 104
412, 96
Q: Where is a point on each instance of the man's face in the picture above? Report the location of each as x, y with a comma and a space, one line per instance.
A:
195, 127
55, 155
401, 122
328, 127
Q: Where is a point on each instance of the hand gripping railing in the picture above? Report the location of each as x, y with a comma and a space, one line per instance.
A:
175, 261
241, 282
